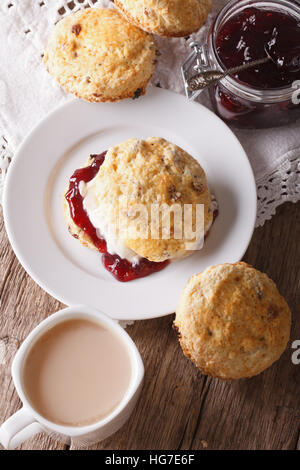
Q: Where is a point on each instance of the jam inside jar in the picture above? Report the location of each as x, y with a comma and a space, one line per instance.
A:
266, 95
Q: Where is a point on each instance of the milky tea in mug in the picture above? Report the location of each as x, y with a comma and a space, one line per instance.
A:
76, 373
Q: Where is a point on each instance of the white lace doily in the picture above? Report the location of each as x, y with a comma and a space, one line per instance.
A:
28, 93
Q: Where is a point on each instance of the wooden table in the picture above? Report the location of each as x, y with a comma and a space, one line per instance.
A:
179, 408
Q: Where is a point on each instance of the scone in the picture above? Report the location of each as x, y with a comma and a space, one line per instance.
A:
136, 199
97, 55
232, 322
165, 18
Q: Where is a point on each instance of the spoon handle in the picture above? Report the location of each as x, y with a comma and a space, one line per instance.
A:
203, 79
249, 65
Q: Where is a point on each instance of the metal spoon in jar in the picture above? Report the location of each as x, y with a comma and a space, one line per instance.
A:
204, 79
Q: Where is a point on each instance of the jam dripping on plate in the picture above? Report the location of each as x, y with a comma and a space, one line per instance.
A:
122, 269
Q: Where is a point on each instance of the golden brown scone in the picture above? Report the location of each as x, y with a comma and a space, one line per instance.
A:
97, 55
173, 19
146, 172
232, 322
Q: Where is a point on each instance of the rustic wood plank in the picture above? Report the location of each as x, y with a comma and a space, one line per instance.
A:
180, 408
23, 306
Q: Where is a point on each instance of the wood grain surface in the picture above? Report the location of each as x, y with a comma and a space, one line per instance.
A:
179, 408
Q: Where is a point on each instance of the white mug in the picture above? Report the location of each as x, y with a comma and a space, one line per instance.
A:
27, 421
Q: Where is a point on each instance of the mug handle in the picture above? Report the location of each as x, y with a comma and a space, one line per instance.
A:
19, 427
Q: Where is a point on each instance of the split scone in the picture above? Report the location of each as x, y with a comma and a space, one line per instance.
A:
126, 202
232, 322
174, 19
97, 55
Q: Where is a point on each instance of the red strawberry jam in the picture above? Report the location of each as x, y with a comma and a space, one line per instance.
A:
120, 268
125, 271
75, 200
244, 37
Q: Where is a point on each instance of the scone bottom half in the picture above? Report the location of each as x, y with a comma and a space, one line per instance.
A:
135, 172
232, 322
96, 55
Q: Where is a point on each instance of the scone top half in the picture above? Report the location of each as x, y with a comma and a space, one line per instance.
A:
164, 17
138, 175
232, 322
98, 56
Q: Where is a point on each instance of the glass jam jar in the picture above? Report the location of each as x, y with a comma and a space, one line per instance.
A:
266, 98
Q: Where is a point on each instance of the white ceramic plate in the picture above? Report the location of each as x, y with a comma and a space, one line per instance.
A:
61, 143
